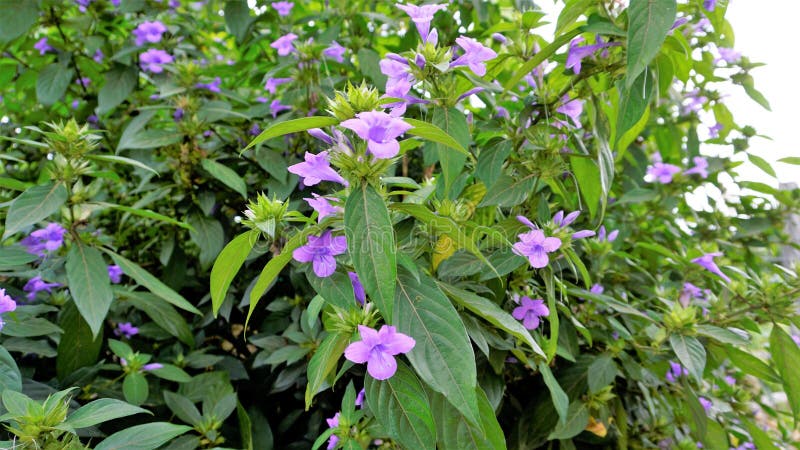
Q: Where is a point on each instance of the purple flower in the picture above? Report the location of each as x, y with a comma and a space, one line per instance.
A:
35, 285
610, 237
283, 8
597, 288
378, 348
535, 246
709, 4
152, 366
276, 107
255, 130
728, 55
148, 32
675, 371
320, 251
694, 102
713, 131
333, 422
662, 172
273, 83
45, 240
322, 206
6, 302
689, 292
499, 38
83, 4
360, 397
572, 109
583, 234
316, 168
42, 46
153, 59
706, 404
177, 116
358, 288
530, 311
707, 262
398, 73
126, 329
422, 16
561, 221
502, 113
700, 167
213, 86
98, 56
576, 53
75, 104
115, 273
335, 52
475, 54
284, 44
729, 380
380, 130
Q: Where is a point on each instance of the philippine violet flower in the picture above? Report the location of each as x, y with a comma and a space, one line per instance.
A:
706, 404
283, 8
98, 56
529, 311
603, 237
675, 371
115, 273
707, 262
378, 348
284, 44
380, 130
7, 304
335, 52
320, 251
273, 83
43, 46
688, 293
728, 55
153, 60
322, 205
475, 55
126, 329
148, 32
709, 4
662, 172
572, 109
213, 86
358, 288
597, 288
360, 397
422, 16
275, 107
45, 240
700, 167
535, 246
315, 169
576, 52
333, 422
36, 285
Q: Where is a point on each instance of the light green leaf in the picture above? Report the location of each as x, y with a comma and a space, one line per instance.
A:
649, 21
433, 133
100, 411
183, 408
539, 58
557, 394
633, 102
33, 205
15, 255
171, 373
509, 191
751, 365
135, 388
292, 126
336, 290
226, 175
588, 175
490, 162
786, 355
690, 353
147, 139
146, 213
89, 284
601, 373
143, 437
324, 361
121, 160
227, 265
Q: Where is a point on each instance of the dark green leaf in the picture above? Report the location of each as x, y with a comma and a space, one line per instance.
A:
77, 347
454, 124
490, 162
633, 102
52, 82
557, 394
435, 134
690, 353
237, 18
207, 234
33, 205
120, 82
16, 17
577, 420
164, 315
786, 355
456, 433
183, 408
601, 373
324, 361
149, 139
226, 175
509, 191
143, 437
649, 21
135, 388
100, 411
89, 284
10, 378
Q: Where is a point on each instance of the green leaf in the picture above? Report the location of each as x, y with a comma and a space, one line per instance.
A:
102, 410
371, 245
121, 160
722, 335
762, 164
15, 255
490, 162
10, 378
493, 314
35, 326
135, 388
649, 21
751, 365
237, 18
509, 191
588, 175
152, 283
52, 82
33, 205
369, 63
786, 355
324, 361
171, 373
577, 420
143, 437
146, 213
791, 160
292, 126
690, 353
227, 265
760, 438
16, 17
573, 9
443, 355
89, 284
633, 102
539, 58
557, 394
747, 82
454, 124
435, 134
207, 234
147, 139
454, 432
120, 82
601, 373
163, 314
183, 408
77, 347
400, 406
336, 290
226, 175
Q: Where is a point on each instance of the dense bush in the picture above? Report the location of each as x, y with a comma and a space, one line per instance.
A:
451, 233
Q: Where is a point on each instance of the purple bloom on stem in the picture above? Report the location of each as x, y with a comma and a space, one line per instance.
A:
321, 135
42, 46
502, 113
213, 86
76, 103
320, 251
276, 107
706, 404
152, 366
335, 52
576, 53
796, 339
499, 38
380, 130
115, 273
35, 285
694, 102
322, 206
561, 221
316, 168
283, 8
333, 422
177, 116
83, 4
255, 130
728, 55
713, 131
700, 167
422, 16
475, 55
689, 292
378, 349
148, 32
126, 329
6, 302
358, 288
675, 371
284, 44
707, 262
597, 288
610, 237
583, 234
45, 240
473, 91
273, 83
360, 398
535, 246
709, 4
153, 59
662, 172
729, 380
572, 109
530, 311
98, 56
